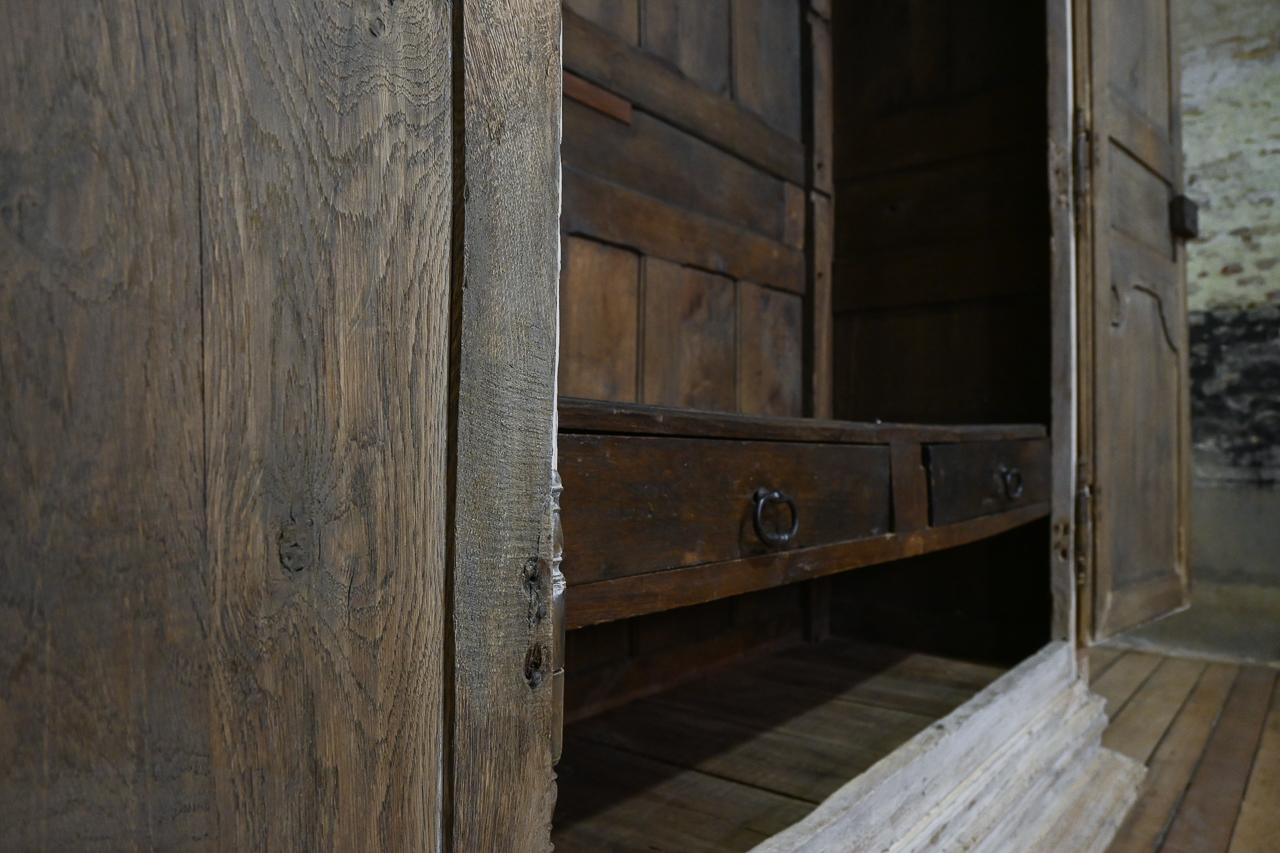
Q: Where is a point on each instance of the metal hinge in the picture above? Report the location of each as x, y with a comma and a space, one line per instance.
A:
1084, 532
1082, 163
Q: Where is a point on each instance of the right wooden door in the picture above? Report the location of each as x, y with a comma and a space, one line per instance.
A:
1134, 426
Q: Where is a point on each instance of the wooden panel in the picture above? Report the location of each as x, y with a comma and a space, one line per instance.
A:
1174, 761
1139, 203
621, 18
1135, 442
766, 61
1259, 821
999, 263
820, 362
626, 217
970, 362
942, 130
692, 36
980, 478
1141, 336
669, 164
1208, 812
910, 487
688, 337
1138, 56
821, 94
504, 545
794, 213
658, 88
691, 650
326, 266
599, 321
953, 201
639, 504
103, 618
770, 339
647, 593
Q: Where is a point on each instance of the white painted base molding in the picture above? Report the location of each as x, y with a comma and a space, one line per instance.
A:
1019, 767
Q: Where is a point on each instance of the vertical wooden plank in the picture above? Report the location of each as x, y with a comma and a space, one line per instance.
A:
1208, 813
766, 61
599, 322
692, 36
770, 340
504, 547
820, 319
103, 713
910, 487
822, 127
689, 332
620, 17
1259, 823
1062, 321
326, 173
794, 219
1173, 762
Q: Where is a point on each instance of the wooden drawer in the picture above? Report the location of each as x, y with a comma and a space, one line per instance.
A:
637, 504
976, 478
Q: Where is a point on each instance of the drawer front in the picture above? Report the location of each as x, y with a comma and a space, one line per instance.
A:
636, 504
976, 478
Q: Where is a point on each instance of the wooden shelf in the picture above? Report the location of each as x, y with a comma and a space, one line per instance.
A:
595, 416
725, 761
658, 503
605, 601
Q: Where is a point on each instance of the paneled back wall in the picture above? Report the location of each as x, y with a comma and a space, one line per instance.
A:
684, 274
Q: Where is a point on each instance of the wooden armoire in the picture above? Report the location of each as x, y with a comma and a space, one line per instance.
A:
751, 405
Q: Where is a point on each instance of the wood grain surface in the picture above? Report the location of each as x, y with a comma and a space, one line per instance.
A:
226, 253
104, 608
504, 545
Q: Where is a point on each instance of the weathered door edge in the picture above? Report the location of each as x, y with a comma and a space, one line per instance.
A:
504, 327
1063, 312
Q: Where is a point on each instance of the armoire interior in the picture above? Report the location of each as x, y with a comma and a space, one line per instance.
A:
804, 397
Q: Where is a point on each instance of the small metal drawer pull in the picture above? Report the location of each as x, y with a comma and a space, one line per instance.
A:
1011, 482
764, 497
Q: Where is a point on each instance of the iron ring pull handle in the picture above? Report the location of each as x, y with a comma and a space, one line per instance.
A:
1011, 480
764, 497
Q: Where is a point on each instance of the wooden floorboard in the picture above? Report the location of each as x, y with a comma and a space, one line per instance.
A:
790, 728
1258, 827
1142, 722
1123, 678
1100, 660
1210, 734
1208, 812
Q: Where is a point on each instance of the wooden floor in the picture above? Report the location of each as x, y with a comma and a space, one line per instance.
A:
1209, 734
726, 761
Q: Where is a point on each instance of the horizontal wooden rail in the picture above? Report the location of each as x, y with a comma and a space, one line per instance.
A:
637, 595
578, 415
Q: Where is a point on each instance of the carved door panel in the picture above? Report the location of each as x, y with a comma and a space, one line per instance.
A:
1135, 425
